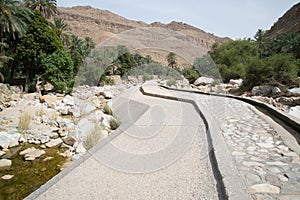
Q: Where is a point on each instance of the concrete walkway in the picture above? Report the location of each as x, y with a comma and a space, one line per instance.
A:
159, 152
168, 149
264, 159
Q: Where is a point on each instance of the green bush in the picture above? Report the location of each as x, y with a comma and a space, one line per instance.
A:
190, 74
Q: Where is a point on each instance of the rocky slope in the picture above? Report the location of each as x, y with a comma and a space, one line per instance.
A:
103, 25
288, 23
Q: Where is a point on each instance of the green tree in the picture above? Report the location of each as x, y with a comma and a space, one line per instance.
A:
284, 67
39, 42
257, 73
13, 20
61, 28
58, 68
287, 43
263, 43
46, 7
232, 58
171, 58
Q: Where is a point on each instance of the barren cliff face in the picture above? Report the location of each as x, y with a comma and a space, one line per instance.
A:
288, 23
103, 26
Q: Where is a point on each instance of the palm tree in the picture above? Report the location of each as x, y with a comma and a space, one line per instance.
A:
46, 7
61, 29
13, 19
171, 59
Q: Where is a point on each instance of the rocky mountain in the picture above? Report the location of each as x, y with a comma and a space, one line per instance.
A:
288, 23
155, 39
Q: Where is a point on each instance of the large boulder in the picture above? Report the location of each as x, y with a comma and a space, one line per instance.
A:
265, 90
203, 81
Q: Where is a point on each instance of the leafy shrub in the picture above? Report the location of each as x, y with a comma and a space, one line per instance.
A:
190, 74
147, 77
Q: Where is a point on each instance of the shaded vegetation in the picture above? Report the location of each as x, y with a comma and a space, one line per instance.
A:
260, 61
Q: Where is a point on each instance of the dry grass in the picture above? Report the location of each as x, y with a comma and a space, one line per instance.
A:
107, 110
92, 138
40, 112
24, 120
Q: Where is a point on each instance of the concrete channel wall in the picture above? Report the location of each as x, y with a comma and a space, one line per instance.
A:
229, 183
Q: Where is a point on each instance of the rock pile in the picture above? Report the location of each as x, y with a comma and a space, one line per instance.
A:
55, 120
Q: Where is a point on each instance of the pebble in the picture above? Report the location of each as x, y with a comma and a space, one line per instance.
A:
265, 145
250, 164
278, 163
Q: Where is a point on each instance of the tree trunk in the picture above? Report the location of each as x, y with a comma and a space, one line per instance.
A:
26, 81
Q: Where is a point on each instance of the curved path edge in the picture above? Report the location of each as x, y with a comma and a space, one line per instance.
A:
121, 107
288, 138
229, 182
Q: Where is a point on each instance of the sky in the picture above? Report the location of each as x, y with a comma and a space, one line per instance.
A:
236, 19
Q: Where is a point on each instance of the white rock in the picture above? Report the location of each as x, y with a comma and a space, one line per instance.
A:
80, 149
295, 111
32, 153
107, 94
9, 139
265, 188
68, 100
54, 142
203, 81
295, 90
7, 177
5, 163
265, 145
250, 164
237, 82
277, 163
